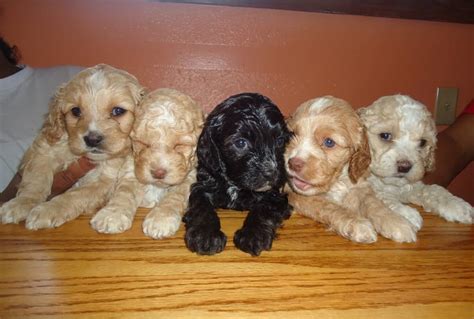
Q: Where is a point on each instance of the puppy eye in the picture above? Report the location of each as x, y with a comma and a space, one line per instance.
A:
422, 142
76, 111
280, 141
117, 111
329, 142
386, 136
240, 143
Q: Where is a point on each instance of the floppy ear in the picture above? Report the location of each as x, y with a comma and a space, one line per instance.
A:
431, 147
54, 126
360, 160
430, 162
138, 93
208, 152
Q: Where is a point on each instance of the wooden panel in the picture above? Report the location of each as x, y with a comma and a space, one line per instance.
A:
461, 11
72, 272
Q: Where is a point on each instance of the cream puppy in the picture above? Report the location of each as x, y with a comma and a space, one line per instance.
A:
327, 162
92, 116
162, 168
402, 138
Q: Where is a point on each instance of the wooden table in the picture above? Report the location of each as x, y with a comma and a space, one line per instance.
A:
73, 272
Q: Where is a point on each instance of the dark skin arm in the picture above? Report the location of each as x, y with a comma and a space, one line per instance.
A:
62, 181
454, 152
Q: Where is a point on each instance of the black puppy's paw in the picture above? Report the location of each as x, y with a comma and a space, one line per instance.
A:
275, 202
204, 240
253, 240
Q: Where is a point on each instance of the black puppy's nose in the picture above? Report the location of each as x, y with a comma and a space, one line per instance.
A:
93, 139
404, 166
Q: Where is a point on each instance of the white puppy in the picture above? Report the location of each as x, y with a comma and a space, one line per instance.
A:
402, 138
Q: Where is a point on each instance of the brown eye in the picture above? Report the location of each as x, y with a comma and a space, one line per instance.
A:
422, 142
76, 111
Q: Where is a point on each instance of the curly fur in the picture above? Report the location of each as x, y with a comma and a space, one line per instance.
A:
327, 162
400, 160
162, 168
83, 109
241, 167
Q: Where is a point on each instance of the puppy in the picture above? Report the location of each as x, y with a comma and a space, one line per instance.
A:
402, 138
92, 116
327, 161
241, 167
162, 168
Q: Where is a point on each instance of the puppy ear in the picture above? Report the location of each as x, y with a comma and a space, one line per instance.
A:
139, 93
365, 115
207, 151
430, 160
360, 160
54, 126
195, 136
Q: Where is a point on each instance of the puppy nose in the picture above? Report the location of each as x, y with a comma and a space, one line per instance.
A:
296, 164
404, 166
93, 139
159, 173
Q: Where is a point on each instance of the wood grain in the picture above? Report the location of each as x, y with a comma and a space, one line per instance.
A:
73, 272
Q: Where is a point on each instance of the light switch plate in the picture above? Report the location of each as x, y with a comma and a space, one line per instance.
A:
445, 109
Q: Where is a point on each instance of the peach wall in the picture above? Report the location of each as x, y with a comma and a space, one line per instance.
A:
211, 52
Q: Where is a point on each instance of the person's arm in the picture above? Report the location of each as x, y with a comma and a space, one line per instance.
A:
62, 181
454, 152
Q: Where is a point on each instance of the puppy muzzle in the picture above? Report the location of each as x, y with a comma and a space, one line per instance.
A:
93, 139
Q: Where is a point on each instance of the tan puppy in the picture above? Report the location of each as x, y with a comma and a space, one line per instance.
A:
402, 137
162, 169
92, 116
327, 162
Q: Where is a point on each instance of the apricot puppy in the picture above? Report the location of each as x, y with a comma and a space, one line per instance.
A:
327, 162
92, 116
162, 168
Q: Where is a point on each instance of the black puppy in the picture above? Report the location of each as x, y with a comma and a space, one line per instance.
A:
241, 167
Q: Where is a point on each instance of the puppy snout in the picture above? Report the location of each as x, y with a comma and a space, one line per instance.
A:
159, 173
93, 139
296, 164
404, 166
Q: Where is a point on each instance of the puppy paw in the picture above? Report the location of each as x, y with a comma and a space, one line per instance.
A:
159, 225
456, 210
205, 240
110, 221
397, 228
410, 214
254, 240
45, 215
16, 210
276, 202
360, 230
